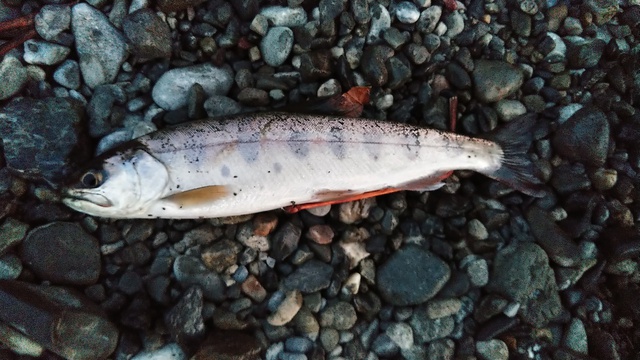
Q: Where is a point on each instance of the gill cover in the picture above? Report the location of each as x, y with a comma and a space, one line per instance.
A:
122, 184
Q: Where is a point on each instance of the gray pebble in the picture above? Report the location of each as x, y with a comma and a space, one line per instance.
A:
184, 321
494, 349
189, 271
51, 20
10, 267
340, 316
558, 245
575, 337
298, 344
147, 34
401, 334
40, 52
441, 349
584, 137
412, 275
68, 74
509, 109
259, 25
406, 12
13, 77
455, 24
170, 91
276, 45
384, 346
101, 47
477, 230
429, 19
285, 16
380, 21
495, 80
219, 106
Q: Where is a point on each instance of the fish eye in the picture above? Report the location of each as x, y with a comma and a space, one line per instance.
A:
91, 179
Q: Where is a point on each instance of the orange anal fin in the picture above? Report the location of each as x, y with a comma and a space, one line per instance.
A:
347, 198
199, 196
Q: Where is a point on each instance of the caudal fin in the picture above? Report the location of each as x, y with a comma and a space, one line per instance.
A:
517, 170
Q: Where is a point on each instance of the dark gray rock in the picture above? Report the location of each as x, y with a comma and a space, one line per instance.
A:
218, 106
495, 80
44, 53
521, 273
68, 74
412, 275
190, 271
36, 146
458, 77
583, 53
148, 36
62, 253
285, 241
310, 277
221, 254
426, 329
315, 65
340, 316
184, 321
51, 20
373, 63
100, 106
12, 232
584, 137
330, 9
560, 248
101, 47
63, 321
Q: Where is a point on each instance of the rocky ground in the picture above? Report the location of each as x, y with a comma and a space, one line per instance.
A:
473, 270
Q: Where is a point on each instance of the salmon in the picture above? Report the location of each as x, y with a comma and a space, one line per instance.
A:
251, 163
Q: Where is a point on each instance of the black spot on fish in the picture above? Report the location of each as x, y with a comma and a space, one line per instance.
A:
235, 194
235, 176
178, 186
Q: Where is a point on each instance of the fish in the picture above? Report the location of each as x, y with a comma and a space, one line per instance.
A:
250, 163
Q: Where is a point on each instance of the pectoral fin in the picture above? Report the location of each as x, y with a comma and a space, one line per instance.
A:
199, 196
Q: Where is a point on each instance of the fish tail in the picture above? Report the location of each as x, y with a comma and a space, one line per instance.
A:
516, 170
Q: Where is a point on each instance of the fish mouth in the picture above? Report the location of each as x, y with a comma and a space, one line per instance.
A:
72, 197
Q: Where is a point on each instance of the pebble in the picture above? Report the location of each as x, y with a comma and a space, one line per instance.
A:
495, 80
509, 109
229, 344
455, 24
147, 34
100, 46
380, 21
406, 12
558, 245
320, 234
603, 11
584, 137
426, 329
171, 351
285, 16
12, 232
99, 108
355, 211
221, 255
384, 347
10, 267
493, 349
184, 321
51, 20
539, 294
40, 52
287, 309
477, 270
340, 316
412, 275
253, 97
18, 343
575, 338
276, 45
310, 277
189, 271
170, 91
305, 324
68, 74
477, 230
298, 344
429, 19
221, 106
439, 308
401, 334
13, 77
285, 241
63, 253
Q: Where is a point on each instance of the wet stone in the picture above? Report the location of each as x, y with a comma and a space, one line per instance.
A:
220, 255
426, 329
189, 271
373, 63
401, 334
253, 97
284, 241
229, 344
380, 21
148, 35
492, 349
62, 253
12, 232
584, 137
429, 19
558, 245
68, 74
219, 106
320, 234
13, 77
310, 277
276, 45
298, 344
495, 80
253, 289
51, 20
355, 211
412, 275
285, 16
575, 337
101, 47
10, 267
35, 146
406, 12
538, 294
171, 351
340, 316
44, 53
184, 321
287, 309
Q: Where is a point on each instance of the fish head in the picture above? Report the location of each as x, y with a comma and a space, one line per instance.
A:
118, 184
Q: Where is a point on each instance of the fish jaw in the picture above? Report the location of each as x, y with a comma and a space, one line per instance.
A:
87, 202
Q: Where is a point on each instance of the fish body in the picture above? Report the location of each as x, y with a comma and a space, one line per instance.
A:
257, 162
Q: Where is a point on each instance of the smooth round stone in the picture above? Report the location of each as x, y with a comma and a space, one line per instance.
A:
276, 45
329, 88
429, 19
40, 52
190, 270
584, 137
171, 351
68, 74
10, 267
285, 16
340, 316
401, 334
62, 253
100, 46
494, 349
575, 337
13, 77
455, 24
287, 309
170, 91
406, 12
495, 80
219, 106
149, 36
51, 20
298, 344
510, 109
